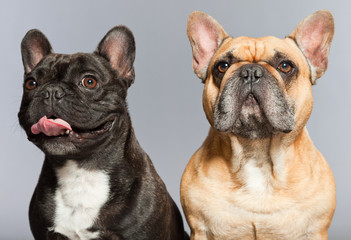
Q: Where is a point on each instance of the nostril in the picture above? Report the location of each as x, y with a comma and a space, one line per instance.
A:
251, 73
244, 73
258, 73
54, 92
59, 94
45, 94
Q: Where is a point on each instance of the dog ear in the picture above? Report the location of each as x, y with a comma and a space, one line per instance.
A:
205, 35
34, 47
314, 36
118, 47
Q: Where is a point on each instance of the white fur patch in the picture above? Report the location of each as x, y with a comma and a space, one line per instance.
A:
255, 180
80, 195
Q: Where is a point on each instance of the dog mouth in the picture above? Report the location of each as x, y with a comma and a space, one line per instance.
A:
261, 109
57, 128
251, 101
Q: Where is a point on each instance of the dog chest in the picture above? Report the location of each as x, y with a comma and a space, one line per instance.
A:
256, 180
79, 197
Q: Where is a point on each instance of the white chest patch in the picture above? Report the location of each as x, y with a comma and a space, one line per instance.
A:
80, 195
255, 179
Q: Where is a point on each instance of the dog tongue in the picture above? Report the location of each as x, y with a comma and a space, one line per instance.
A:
51, 127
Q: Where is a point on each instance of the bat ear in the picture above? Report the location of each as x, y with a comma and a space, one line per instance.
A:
118, 47
205, 35
314, 36
34, 47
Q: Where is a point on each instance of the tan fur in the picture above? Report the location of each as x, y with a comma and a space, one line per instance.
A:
280, 187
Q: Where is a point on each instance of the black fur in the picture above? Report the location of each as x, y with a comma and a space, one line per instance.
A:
139, 206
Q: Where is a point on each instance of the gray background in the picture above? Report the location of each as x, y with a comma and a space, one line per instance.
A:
165, 100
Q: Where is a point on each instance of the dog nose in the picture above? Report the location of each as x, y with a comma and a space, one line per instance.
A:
53, 92
251, 73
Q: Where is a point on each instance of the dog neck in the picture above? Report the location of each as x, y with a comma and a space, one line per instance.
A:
275, 153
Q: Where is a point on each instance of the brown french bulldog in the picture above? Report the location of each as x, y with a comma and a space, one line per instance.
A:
258, 174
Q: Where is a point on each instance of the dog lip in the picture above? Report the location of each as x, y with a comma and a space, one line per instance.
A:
92, 133
78, 134
251, 100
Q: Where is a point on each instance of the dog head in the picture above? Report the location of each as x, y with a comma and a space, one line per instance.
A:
256, 87
74, 103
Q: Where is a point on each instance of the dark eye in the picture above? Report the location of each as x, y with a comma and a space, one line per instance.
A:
285, 67
89, 82
30, 84
223, 67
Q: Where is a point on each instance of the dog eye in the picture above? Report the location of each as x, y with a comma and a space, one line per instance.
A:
30, 84
222, 67
89, 82
285, 67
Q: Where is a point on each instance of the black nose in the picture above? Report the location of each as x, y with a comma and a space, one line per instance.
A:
53, 93
251, 73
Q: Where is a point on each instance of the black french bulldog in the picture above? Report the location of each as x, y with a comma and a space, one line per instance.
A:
96, 181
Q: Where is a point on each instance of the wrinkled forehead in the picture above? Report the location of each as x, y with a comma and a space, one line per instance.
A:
63, 61
59, 65
258, 49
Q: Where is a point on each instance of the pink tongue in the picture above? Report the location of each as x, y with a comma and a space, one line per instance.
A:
51, 127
